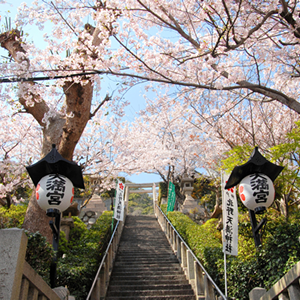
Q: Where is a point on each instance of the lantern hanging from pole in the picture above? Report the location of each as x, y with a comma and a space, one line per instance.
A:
257, 192
54, 191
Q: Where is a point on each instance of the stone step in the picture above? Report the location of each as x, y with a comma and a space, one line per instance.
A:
149, 251
168, 292
145, 287
161, 297
147, 254
144, 248
135, 278
146, 281
122, 259
145, 265
146, 272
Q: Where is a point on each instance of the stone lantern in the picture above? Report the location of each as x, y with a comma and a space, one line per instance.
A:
186, 188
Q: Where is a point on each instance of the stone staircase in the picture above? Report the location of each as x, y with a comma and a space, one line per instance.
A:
145, 266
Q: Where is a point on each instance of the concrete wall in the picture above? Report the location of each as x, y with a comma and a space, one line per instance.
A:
18, 281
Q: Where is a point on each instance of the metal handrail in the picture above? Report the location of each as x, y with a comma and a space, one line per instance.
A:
194, 256
102, 261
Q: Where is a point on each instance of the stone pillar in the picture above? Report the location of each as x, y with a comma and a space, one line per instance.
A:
13, 249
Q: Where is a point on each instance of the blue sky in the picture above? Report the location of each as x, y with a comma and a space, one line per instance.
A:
134, 96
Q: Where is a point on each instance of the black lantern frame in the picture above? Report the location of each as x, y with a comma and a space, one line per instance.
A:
54, 163
256, 164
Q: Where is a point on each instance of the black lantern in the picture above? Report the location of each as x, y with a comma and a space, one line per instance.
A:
54, 163
55, 178
256, 164
256, 189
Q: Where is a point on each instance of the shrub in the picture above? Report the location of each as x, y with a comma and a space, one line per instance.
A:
252, 267
39, 254
162, 192
205, 241
76, 232
77, 268
13, 216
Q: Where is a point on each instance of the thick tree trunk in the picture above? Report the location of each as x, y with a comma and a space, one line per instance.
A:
65, 131
36, 220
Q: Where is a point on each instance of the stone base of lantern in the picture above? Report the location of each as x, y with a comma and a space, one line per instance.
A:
191, 208
190, 205
96, 204
92, 210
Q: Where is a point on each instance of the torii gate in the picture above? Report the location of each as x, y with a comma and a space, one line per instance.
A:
140, 189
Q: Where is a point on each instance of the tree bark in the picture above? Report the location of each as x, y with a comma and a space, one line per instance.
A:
65, 131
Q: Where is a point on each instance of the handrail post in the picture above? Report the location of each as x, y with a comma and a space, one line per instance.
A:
96, 291
183, 255
178, 246
174, 240
190, 265
199, 280
110, 258
189, 261
209, 289
103, 280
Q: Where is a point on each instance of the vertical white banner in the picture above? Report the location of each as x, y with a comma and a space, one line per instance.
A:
230, 219
119, 203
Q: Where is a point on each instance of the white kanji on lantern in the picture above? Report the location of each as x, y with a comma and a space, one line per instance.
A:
256, 190
54, 191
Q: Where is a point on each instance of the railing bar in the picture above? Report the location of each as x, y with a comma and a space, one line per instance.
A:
208, 276
102, 261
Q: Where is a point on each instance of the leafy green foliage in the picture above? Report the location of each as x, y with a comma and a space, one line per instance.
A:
76, 232
162, 192
78, 259
206, 190
204, 240
236, 156
76, 269
13, 216
39, 254
141, 203
84, 193
288, 155
280, 250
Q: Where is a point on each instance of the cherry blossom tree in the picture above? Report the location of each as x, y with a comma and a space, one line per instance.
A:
246, 47
211, 54
20, 143
62, 110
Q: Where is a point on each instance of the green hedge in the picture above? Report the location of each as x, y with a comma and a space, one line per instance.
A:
205, 241
78, 259
13, 216
78, 265
162, 192
252, 267
39, 254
